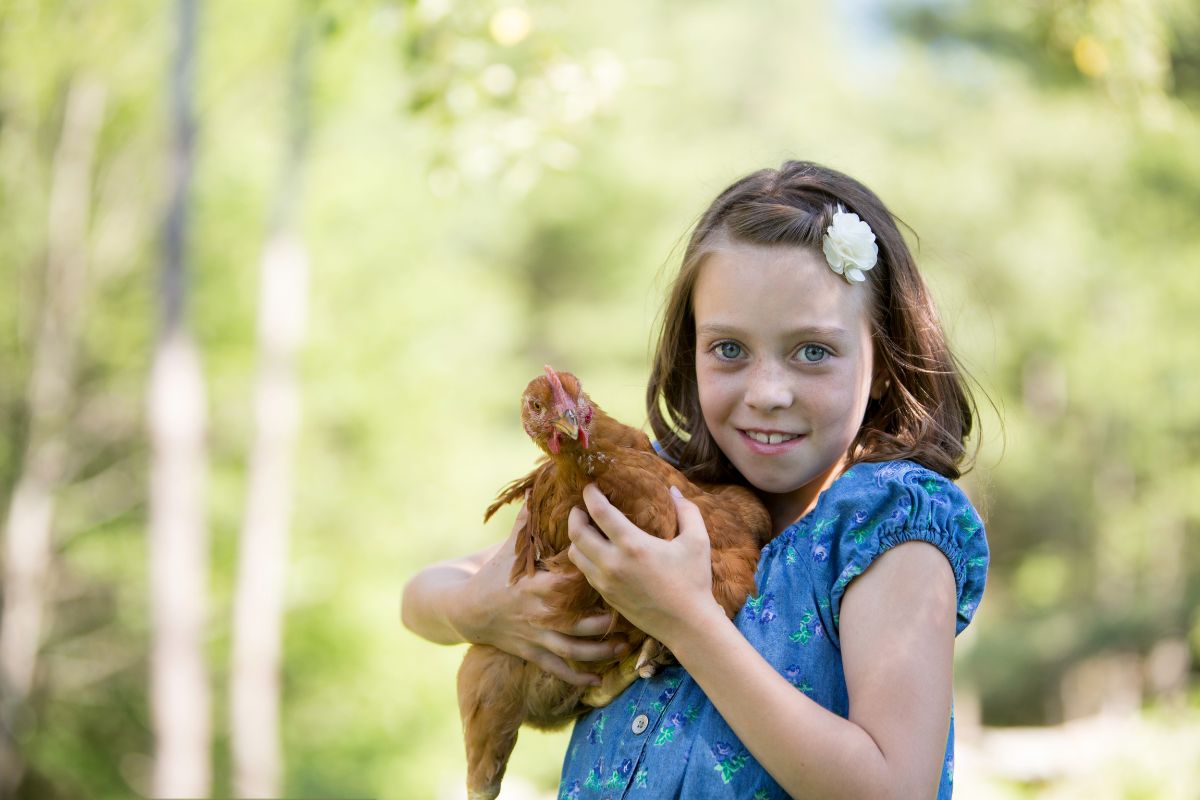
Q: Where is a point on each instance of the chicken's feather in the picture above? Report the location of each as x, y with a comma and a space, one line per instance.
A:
497, 691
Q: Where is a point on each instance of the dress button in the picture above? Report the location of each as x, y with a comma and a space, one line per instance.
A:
640, 722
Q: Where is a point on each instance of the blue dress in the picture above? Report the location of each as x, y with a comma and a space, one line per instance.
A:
662, 738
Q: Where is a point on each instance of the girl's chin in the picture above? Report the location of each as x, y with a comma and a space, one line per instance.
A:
771, 482
774, 482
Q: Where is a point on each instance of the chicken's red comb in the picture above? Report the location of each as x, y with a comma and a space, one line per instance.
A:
560, 394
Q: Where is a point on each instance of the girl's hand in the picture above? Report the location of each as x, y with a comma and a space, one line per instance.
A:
657, 585
513, 618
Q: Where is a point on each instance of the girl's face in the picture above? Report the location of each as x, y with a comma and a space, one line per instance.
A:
784, 363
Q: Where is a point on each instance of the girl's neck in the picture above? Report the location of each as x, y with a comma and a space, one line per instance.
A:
790, 507
786, 509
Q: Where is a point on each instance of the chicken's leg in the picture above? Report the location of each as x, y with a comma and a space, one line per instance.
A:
490, 702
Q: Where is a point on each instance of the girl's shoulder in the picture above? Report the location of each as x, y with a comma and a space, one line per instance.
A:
879, 475
875, 506
905, 493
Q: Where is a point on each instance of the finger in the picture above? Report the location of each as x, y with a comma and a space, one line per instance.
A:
584, 535
560, 669
585, 564
691, 522
542, 583
575, 649
609, 518
597, 625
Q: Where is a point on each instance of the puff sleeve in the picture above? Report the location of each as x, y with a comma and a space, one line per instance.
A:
885, 505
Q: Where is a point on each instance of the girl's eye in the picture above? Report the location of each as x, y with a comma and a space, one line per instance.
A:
728, 350
813, 353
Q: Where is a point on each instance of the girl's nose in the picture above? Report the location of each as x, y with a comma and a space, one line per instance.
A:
768, 388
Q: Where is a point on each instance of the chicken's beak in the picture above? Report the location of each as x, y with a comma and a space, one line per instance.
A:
567, 424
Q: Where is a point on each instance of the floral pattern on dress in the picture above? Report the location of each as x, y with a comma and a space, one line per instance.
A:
596, 734
792, 673
729, 758
666, 733
761, 609
810, 628
686, 749
667, 693
822, 538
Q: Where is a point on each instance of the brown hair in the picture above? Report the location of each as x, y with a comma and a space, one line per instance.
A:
924, 413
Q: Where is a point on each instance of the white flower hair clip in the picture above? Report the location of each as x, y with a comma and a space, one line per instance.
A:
849, 246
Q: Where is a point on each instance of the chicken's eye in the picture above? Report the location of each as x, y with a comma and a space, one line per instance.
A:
536, 406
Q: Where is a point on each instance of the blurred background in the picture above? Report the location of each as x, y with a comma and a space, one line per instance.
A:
273, 276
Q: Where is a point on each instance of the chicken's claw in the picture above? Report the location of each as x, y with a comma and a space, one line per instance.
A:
651, 656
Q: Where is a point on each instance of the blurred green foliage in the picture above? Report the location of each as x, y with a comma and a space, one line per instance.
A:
491, 186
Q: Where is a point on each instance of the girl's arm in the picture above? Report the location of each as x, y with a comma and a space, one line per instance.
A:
435, 604
897, 636
469, 599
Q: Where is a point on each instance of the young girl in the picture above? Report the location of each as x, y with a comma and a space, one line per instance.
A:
800, 354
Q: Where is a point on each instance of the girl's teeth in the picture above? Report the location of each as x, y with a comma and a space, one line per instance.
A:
770, 438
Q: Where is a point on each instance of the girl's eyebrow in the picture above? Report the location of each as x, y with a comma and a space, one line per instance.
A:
804, 331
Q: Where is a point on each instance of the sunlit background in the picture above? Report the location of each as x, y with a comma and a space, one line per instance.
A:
393, 214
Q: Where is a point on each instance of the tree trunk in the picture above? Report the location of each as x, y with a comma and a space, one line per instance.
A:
179, 690
28, 542
259, 600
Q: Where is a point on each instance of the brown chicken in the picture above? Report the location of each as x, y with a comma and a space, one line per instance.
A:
498, 692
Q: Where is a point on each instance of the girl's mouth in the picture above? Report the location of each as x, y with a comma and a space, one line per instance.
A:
769, 442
